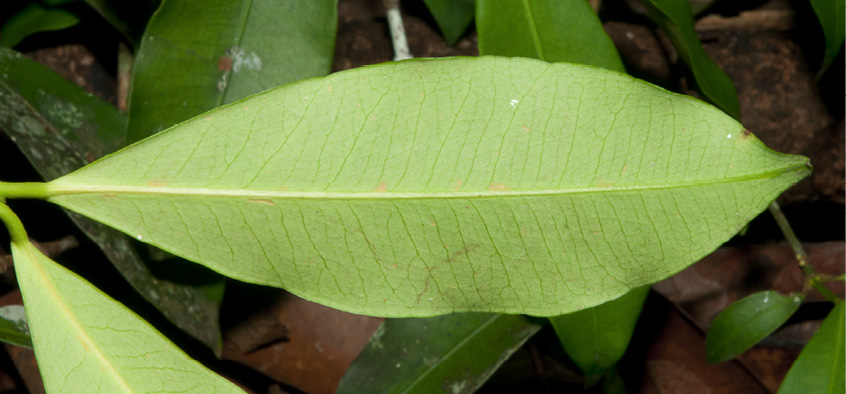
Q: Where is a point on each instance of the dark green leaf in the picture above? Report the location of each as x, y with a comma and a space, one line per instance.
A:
33, 19
675, 19
60, 127
820, 367
551, 30
746, 322
13, 327
452, 16
596, 338
831, 16
453, 353
127, 16
197, 55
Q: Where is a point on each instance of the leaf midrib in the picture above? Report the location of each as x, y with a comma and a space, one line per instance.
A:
55, 189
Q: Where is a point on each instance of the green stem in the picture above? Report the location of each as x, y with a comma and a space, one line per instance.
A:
16, 228
799, 251
24, 190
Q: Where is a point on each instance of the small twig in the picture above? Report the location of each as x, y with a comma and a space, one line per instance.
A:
124, 75
812, 279
401, 51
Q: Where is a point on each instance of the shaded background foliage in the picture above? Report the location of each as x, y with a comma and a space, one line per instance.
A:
771, 50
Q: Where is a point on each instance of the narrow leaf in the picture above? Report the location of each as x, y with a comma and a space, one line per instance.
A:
129, 17
60, 127
452, 16
820, 367
550, 30
197, 55
454, 353
596, 338
833, 22
676, 20
88, 342
434, 186
13, 326
746, 322
32, 19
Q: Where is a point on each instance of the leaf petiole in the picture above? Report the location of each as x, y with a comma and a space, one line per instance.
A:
16, 229
24, 190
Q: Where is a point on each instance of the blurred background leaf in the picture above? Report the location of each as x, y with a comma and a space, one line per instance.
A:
453, 353
60, 127
675, 19
452, 17
746, 322
831, 16
129, 17
197, 55
34, 18
820, 367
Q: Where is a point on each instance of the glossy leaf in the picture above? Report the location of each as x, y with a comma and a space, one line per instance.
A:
13, 326
453, 353
596, 338
746, 322
550, 30
452, 16
832, 19
60, 127
88, 342
820, 367
197, 55
129, 17
676, 20
34, 18
427, 187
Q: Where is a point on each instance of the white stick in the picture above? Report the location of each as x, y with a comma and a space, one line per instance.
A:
401, 51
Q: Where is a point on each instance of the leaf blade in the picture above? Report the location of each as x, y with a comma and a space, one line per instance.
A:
746, 322
81, 337
378, 207
197, 55
13, 326
820, 367
454, 353
34, 18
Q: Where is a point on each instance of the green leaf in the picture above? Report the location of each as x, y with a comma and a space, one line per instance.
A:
830, 14
197, 55
596, 338
87, 342
746, 322
129, 17
453, 353
433, 186
550, 30
32, 19
820, 367
13, 326
452, 16
60, 127
675, 19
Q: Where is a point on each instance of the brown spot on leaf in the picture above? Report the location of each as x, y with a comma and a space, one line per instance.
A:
261, 201
497, 186
458, 183
381, 188
625, 167
224, 63
745, 133
157, 182
604, 184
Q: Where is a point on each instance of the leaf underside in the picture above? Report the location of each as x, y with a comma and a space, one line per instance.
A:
88, 342
432, 186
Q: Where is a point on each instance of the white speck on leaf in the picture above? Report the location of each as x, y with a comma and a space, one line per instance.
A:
138, 236
457, 387
728, 136
513, 103
243, 59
